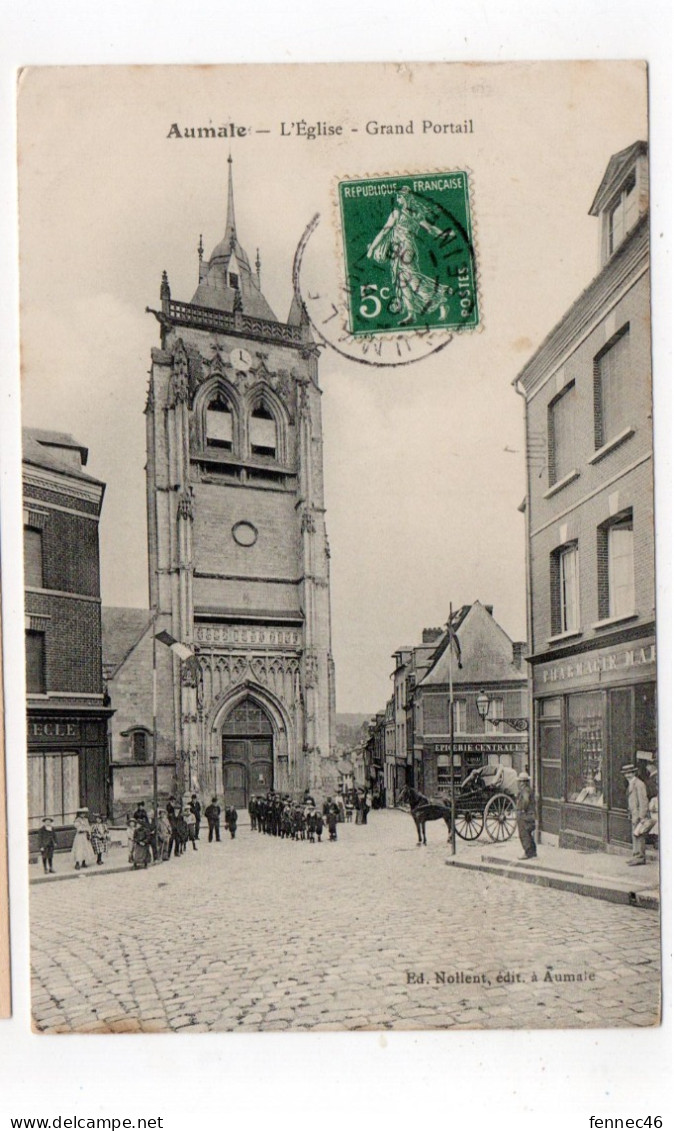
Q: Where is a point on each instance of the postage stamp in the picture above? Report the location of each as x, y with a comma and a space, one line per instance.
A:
408, 253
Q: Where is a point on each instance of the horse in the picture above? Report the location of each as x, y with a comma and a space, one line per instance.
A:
423, 809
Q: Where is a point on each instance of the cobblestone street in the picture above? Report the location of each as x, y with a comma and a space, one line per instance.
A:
370, 932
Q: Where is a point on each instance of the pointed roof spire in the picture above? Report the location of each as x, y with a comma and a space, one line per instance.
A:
230, 227
230, 243
228, 272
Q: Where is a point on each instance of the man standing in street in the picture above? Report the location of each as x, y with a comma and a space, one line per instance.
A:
526, 816
637, 804
212, 814
195, 806
231, 818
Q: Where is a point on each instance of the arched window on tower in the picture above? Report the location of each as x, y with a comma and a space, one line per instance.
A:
219, 424
263, 438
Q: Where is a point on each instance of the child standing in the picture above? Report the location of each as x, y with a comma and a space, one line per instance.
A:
100, 838
47, 844
191, 822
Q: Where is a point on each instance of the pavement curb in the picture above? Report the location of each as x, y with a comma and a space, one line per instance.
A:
647, 899
85, 875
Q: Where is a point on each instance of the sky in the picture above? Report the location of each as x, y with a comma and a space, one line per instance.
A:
424, 465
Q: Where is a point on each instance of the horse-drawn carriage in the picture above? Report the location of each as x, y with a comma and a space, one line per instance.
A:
485, 801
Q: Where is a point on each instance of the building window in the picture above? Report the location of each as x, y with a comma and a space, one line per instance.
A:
586, 754
263, 440
615, 553
460, 716
496, 712
623, 214
436, 714
219, 424
233, 281
564, 590
33, 571
550, 748
140, 745
36, 678
611, 387
444, 773
53, 787
561, 435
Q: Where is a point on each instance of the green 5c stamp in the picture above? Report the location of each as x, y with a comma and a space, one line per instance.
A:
408, 251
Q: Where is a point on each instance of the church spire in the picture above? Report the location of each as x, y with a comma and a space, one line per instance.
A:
230, 227
227, 281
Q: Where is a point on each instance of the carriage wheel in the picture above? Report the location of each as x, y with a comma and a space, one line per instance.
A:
469, 825
500, 817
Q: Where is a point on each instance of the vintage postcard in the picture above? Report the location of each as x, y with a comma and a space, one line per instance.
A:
339, 547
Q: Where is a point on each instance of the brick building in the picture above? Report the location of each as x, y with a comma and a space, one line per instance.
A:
67, 707
492, 665
238, 551
587, 395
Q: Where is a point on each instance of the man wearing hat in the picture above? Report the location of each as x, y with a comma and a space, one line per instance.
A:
526, 815
637, 804
212, 814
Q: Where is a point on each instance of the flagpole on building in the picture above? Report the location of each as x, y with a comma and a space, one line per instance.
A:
451, 734
183, 652
155, 790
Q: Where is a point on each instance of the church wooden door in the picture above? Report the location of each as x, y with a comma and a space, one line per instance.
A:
247, 754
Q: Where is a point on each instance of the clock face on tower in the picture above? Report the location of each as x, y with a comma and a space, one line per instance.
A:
241, 360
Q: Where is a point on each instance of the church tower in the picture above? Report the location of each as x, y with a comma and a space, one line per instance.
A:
238, 551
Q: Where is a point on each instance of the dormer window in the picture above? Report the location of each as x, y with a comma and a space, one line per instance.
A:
219, 424
622, 198
263, 438
623, 214
233, 281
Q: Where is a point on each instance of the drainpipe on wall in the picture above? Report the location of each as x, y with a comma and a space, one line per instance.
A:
533, 740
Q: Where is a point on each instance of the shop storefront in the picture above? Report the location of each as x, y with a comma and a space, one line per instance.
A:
67, 769
468, 754
595, 711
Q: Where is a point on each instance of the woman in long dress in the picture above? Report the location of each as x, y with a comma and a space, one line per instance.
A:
414, 294
141, 854
82, 852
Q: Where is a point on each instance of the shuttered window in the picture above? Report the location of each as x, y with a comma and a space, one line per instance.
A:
561, 435
611, 386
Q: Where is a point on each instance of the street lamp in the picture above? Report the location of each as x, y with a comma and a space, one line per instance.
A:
483, 703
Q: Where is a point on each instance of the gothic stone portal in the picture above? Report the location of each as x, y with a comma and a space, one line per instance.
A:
247, 753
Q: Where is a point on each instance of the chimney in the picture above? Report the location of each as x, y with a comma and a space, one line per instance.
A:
519, 647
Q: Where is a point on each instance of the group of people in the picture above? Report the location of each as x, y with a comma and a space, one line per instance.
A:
90, 843
641, 779
150, 839
176, 826
277, 814
642, 804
